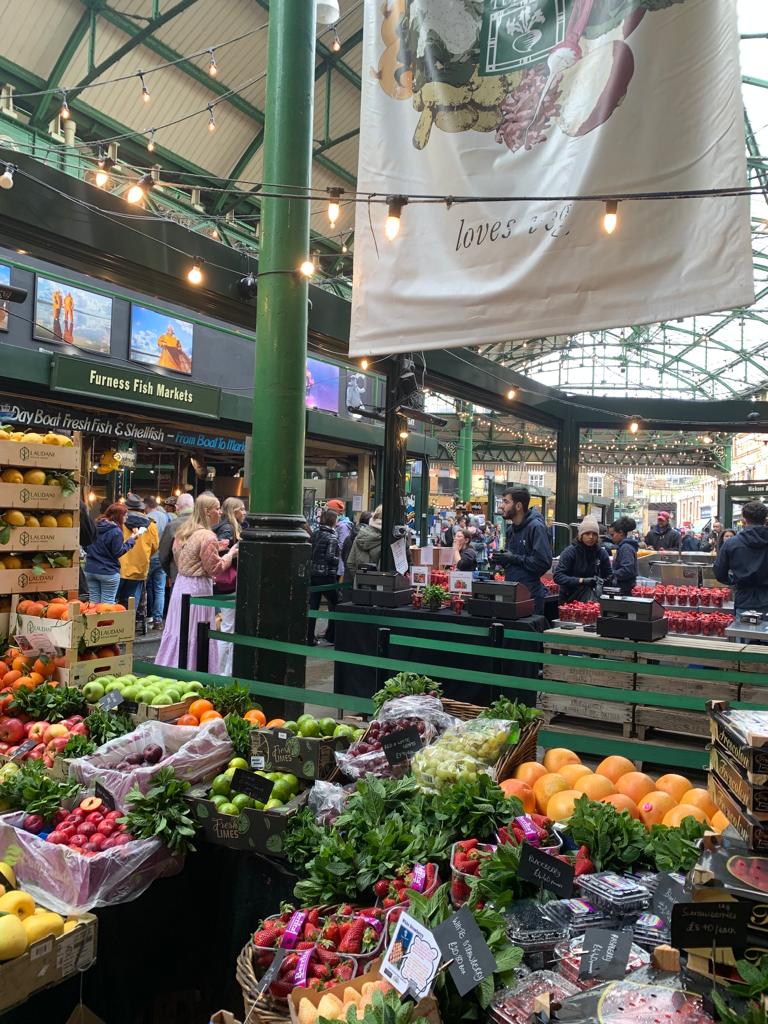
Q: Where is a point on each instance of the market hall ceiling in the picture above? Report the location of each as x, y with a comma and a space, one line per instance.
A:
69, 43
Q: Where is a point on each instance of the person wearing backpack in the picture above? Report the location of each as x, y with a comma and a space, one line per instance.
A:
324, 567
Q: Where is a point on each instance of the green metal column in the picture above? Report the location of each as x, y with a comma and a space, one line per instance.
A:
567, 483
274, 549
464, 455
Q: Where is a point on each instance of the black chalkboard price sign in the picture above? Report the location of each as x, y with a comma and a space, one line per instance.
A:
255, 786
401, 745
545, 871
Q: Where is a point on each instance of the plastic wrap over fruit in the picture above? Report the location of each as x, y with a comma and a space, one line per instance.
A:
483, 738
434, 768
194, 752
428, 709
327, 800
69, 883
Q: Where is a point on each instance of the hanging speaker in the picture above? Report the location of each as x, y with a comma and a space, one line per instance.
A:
328, 12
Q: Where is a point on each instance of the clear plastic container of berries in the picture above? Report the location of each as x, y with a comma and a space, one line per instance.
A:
568, 955
517, 1005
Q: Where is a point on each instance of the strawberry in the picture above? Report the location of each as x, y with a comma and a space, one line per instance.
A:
353, 940
313, 917
346, 910
332, 933
312, 932
459, 892
326, 956
381, 888
304, 945
343, 972
320, 971
281, 989
389, 902
266, 937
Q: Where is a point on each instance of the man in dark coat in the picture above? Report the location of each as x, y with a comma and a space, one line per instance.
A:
743, 561
582, 564
662, 536
528, 552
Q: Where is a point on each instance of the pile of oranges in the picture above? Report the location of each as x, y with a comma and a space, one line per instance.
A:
58, 608
552, 788
203, 711
19, 670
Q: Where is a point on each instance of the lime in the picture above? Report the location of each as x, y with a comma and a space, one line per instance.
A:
327, 725
272, 803
281, 791
241, 801
293, 784
291, 726
219, 799
221, 785
304, 718
239, 762
273, 776
309, 729
228, 809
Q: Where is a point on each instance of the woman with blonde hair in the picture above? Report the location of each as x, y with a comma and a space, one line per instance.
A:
228, 533
199, 561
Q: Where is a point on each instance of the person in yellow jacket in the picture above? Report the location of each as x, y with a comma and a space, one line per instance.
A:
134, 564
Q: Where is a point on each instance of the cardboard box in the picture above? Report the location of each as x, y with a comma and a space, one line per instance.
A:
754, 798
94, 630
424, 1008
161, 713
39, 456
742, 734
47, 963
25, 581
752, 831
80, 672
28, 497
259, 831
43, 538
278, 750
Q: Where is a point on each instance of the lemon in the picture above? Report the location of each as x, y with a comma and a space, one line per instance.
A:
12, 562
11, 476
48, 521
34, 476
14, 518
33, 438
64, 519
32, 521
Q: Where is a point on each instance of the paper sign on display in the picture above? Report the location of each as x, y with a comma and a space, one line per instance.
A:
520, 100
400, 556
419, 575
357, 503
412, 959
460, 582
463, 946
36, 644
426, 555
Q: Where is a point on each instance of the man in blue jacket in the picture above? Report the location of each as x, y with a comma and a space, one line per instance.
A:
625, 559
662, 536
528, 553
743, 561
582, 564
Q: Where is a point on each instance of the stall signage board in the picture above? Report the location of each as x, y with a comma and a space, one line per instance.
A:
606, 954
120, 384
464, 948
669, 891
547, 872
111, 700
460, 582
254, 786
401, 745
696, 925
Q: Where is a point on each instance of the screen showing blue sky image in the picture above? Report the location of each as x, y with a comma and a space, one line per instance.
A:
161, 340
72, 316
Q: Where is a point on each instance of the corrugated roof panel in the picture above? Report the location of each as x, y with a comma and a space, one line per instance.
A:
33, 35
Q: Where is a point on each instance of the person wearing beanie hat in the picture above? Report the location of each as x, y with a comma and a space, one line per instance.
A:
582, 564
344, 528
662, 536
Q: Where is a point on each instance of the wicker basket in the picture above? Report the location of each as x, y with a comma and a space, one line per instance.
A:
460, 710
524, 750
258, 1010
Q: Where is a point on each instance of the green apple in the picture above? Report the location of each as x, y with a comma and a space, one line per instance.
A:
239, 762
161, 700
107, 679
272, 803
189, 695
146, 695
194, 686
228, 809
93, 692
115, 685
132, 692
174, 696
241, 800
221, 785
327, 725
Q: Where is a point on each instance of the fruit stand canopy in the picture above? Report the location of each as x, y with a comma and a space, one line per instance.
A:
69, 44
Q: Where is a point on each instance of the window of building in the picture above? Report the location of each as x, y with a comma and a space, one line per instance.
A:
535, 478
595, 485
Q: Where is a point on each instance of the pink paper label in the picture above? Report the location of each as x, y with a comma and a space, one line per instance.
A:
530, 832
293, 929
300, 974
374, 922
419, 878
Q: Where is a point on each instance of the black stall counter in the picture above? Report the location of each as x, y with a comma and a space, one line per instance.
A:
361, 638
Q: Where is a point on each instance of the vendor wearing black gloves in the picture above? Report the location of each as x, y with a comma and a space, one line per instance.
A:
582, 564
528, 553
625, 559
742, 561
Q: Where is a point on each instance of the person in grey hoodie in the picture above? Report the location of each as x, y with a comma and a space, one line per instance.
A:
742, 561
366, 549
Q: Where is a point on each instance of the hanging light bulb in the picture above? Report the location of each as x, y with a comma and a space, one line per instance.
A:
611, 216
139, 190
344, 247
307, 268
151, 143
91, 496
333, 205
403, 435
177, 492
101, 178
211, 119
195, 274
64, 113
6, 178
212, 69
363, 364
395, 205
634, 425
144, 89
214, 234
511, 394
336, 44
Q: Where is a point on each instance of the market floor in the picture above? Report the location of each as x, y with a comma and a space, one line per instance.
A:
319, 671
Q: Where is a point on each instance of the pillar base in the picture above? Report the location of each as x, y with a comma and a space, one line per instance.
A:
272, 585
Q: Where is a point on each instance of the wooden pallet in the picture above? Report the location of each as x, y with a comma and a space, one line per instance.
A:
606, 712
566, 642
754, 693
571, 724
690, 686
674, 721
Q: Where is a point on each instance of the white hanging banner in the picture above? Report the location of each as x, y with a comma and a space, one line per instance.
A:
547, 98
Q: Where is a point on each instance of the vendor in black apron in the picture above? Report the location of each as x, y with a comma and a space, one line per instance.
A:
582, 564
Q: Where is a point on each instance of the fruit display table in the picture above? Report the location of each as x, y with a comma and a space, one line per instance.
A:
360, 638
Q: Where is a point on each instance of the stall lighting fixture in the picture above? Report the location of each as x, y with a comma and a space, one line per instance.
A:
211, 119
334, 209
195, 273
144, 90
395, 206
64, 113
139, 190
363, 364
707, 439
212, 68
511, 394
177, 492
403, 435
91, 497
611, 216
634, 426
6, 178
151, 143
307, 268
344, 247
336, 44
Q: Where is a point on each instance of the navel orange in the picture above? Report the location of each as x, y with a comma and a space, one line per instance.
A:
558, 756
635, 785
675, 785
530, 772
614, 767
546, 787
560, 806
674, 818
653, 806
594, 786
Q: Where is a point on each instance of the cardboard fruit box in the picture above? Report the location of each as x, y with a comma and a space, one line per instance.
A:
742, 733
93, 630
753, 797
258, 831
753, 832
26, 581
30, 497
43, 538
306, 757
159, 712
78, 673
48, 962
39, 456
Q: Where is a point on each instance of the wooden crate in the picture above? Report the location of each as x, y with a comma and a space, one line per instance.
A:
691, 686
25, 581
43, 538
94, 630
566, 642
557, 708
5, 620
674, 721
76, 673
23, 455
30, 497
753, 693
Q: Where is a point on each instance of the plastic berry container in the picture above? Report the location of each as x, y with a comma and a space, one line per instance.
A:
568, 961
617, 895
516, 1006
576, 915
651, 931
530, 928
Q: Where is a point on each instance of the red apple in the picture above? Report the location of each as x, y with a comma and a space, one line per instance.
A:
75, 719
47, 760
59, 729
37, 753
79, 729
78, 840
11, 730
95, 817
36, 730
57, 745
86, 828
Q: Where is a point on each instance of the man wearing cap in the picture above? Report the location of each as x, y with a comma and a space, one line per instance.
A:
344, 527
134, 565
662, 536
582, 564
169, 505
